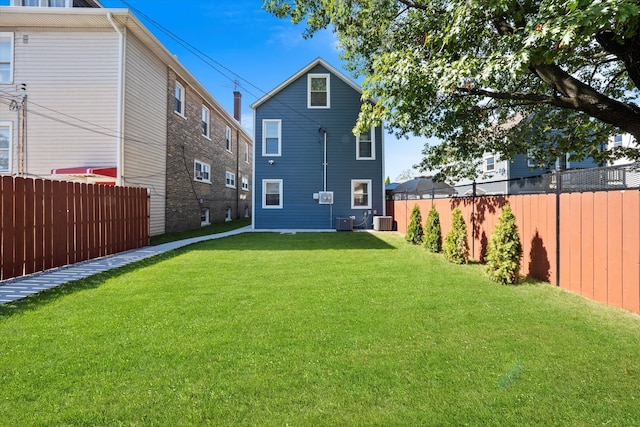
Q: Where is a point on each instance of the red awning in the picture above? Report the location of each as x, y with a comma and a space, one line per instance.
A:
110, 171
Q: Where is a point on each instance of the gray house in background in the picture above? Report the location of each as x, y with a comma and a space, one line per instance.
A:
310, 170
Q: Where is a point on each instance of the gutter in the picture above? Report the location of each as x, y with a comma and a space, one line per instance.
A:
120, 103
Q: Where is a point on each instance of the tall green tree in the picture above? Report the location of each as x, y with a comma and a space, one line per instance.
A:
505, 250
415, 232
455, 248
433, 232
507, 76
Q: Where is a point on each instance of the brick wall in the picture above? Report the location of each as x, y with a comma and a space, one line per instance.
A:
187, 197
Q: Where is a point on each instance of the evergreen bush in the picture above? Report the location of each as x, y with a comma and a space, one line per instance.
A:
456, 248
415, 232
433, 233
505, 250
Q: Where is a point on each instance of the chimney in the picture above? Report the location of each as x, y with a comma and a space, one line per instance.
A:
237, 110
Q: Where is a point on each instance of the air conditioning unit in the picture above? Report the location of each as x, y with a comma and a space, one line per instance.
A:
383, 223
345, 224
325, 197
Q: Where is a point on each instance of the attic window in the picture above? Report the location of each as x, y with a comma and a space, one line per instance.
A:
318, 96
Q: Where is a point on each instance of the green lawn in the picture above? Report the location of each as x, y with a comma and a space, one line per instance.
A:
314, 329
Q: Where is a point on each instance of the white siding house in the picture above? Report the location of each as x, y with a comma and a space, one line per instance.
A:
84, 97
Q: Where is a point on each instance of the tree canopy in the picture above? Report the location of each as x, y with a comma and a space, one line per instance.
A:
545, 78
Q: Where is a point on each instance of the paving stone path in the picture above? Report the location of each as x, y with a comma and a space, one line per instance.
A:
21, 287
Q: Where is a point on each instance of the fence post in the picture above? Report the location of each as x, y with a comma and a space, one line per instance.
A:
558, 193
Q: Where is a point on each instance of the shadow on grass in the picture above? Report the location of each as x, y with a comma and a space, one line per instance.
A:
257, 241
47, 296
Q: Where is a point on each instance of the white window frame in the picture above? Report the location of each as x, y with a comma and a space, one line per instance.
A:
327, 78
206, 122
373, 146
11, 59
230, 179
227, 139
9, 150
354, 184
617, 140
205, 217
245, 183
265, 123
228, 215
492, 164
265, 182
179, 97
246, 152
201, 173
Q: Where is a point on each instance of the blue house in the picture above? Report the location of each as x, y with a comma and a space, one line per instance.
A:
310, 170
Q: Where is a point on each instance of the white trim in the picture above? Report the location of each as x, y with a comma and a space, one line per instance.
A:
486, 163
354, 182
373, 146
207, 219
228, 215
302, 72
245, 183
327, 78
8, 125
228, 140
265, 122
230, 179
204, 174
182, 99
206, 120
264, 193
12, 56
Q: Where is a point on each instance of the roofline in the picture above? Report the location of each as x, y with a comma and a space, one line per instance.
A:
124, 18
303, 71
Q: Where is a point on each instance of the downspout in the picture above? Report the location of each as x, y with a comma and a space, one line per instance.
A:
120, 104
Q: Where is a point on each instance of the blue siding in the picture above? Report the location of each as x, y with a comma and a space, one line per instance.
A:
300, 165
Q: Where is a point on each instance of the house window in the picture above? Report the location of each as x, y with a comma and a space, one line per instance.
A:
202, 172
57, 3
30, 2
532, 162
205, 121
228, 215
365, 146
271, 137
6, 57
231, 180
246, 152
246, 211
245, 183
360, 194
228, 139
204, 217
5, 146
617, 141
272, 193
489, 164
318, 96
179, 99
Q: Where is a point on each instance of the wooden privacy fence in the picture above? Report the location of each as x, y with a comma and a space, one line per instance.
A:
47, 224
595, 253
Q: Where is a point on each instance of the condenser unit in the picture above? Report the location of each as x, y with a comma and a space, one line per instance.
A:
383, 223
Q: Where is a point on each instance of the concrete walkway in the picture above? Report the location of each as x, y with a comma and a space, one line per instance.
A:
21, 287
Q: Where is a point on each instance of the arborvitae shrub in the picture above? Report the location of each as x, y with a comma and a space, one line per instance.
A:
414, 231
456, 248
505, 250
433, 233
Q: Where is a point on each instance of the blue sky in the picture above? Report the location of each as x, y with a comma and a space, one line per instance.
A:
248, 42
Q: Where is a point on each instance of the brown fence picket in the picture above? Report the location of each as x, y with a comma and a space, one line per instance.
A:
46, 224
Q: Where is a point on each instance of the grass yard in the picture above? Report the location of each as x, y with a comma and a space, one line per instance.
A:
318, 329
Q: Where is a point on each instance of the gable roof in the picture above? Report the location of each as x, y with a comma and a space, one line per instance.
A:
302, 72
